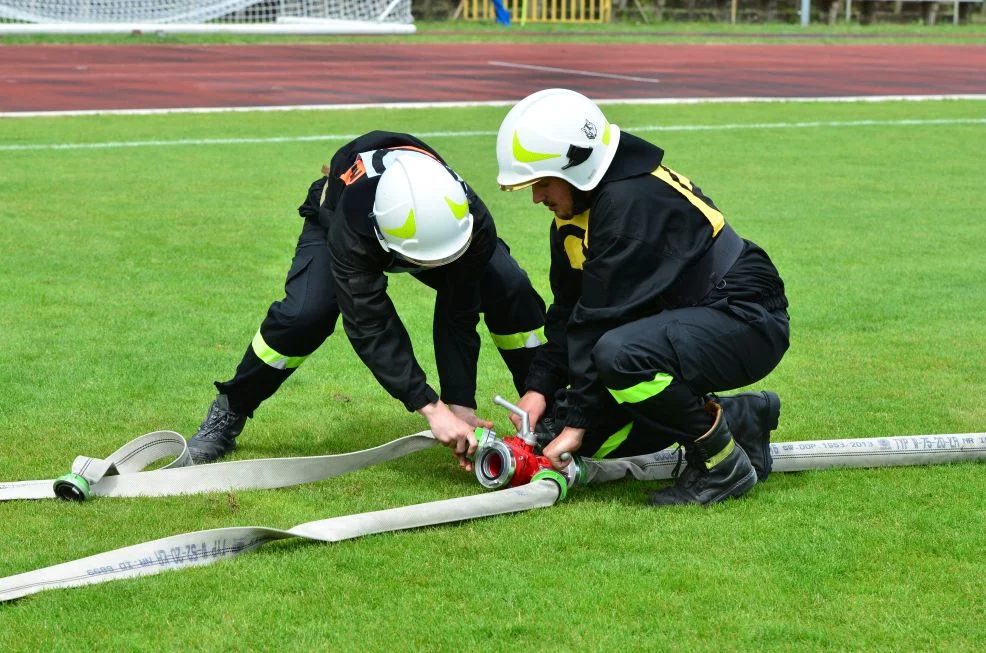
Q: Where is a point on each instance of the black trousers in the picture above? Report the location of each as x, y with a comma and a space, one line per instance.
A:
299, 323
659, 369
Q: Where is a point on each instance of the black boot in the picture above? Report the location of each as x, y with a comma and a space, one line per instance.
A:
216, 436
752, 416
717, 469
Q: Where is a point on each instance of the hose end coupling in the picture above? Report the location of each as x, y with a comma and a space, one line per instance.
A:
72, 487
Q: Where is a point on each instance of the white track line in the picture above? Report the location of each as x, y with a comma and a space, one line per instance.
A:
466, 134
492, 103
569, 71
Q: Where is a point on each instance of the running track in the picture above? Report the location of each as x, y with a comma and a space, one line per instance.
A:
102, 77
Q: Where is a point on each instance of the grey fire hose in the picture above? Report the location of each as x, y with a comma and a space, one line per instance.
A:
120, 475
205, 547
896, 451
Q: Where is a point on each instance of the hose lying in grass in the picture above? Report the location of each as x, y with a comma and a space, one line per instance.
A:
121, 477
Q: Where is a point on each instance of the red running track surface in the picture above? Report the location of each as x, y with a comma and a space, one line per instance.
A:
104, 77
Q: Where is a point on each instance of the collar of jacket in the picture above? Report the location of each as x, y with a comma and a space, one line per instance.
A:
634, 156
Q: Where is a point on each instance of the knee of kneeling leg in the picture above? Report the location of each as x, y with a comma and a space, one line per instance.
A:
605, 355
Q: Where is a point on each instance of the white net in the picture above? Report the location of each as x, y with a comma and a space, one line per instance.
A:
373, 15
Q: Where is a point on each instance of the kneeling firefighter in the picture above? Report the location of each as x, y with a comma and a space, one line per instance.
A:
657, 303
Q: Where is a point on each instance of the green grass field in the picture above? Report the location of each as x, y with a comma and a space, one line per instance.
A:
619, 31
135, 271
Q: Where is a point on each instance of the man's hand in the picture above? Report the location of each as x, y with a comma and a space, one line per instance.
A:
534, 404
568, 441
451, 431
468, 415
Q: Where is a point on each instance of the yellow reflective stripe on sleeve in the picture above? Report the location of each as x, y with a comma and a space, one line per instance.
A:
523, 340
643, 390
684, 186
613, 441
270, 356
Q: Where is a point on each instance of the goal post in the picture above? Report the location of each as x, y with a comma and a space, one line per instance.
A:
206, 16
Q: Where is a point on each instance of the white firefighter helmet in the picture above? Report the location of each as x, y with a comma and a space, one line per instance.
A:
555, 133
421, 211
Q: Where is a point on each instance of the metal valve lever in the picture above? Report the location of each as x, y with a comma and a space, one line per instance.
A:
525, 433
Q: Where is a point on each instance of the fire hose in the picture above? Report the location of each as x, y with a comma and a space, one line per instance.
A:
513, 462
121, 474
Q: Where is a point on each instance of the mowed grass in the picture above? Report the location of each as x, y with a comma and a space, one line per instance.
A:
628, 29
134, 276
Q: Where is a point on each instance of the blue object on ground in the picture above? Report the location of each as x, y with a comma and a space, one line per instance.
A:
502, 15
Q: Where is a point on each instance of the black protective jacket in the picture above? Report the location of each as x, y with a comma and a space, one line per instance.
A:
342, 201
615, 263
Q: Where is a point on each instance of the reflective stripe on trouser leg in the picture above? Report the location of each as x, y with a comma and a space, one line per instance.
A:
272, 357
523, 340
613, 441
644, 417
666, 404
517, 351
643, 390
618, 432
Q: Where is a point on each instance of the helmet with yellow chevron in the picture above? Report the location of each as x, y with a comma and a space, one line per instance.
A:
555, 133
421, 212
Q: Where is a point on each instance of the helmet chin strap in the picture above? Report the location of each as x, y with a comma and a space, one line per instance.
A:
378, 233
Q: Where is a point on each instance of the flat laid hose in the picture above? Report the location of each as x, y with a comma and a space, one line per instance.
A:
121, 475
205, 547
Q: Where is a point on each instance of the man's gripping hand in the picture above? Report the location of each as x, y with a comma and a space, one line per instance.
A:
568, 442
534, 404
468, 415
453, 431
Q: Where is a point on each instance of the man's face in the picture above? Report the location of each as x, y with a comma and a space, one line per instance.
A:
554, 193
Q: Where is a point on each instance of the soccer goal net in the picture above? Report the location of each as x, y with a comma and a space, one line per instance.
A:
192, 16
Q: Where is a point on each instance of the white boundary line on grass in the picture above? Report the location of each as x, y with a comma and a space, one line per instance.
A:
492, 103
463, 134
569, 71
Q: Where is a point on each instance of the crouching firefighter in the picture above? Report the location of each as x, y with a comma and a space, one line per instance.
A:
657, 303
389, 204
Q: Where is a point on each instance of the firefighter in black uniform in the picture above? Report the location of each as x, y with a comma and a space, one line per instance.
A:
388, 203
657, 304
